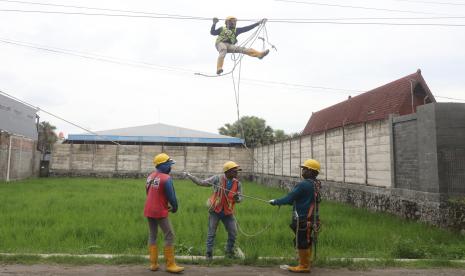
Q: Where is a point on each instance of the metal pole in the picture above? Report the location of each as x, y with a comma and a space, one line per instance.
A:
9, 161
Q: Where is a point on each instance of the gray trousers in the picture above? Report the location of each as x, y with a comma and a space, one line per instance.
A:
229, 223
224, 48
165, 226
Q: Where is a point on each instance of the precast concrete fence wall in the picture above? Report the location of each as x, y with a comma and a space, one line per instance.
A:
19, 158
136, 160
358, 153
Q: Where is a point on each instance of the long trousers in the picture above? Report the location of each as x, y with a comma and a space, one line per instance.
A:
165, 226
229, 223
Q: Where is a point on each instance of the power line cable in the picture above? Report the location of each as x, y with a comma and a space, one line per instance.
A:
152, 66
288, 21
433, 2
356, 7
179, 16
103, 137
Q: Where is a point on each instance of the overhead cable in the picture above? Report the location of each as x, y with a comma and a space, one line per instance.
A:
356, 7
103, 137
189, 72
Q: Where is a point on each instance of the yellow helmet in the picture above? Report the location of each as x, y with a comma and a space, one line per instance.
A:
230, 18
162, 158
230, 165
311, 164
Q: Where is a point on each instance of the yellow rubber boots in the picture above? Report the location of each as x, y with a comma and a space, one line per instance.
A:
153, 250
304, 262
170, 263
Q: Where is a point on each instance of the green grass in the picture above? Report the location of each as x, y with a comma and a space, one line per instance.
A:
86, 215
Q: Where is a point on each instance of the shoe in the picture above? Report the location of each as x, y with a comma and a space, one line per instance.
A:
209, 256
266, 52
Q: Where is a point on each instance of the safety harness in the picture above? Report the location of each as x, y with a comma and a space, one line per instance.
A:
313, 218
227, 35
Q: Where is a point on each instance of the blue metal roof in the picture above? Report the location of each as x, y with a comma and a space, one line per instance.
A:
158, 139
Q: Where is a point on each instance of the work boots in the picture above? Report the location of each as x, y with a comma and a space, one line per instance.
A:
304, 261
153, 250
170, 263
219, 65
255, 53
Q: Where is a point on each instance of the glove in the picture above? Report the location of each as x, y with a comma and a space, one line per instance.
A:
215, 20
272, 202
236, 198
263, 21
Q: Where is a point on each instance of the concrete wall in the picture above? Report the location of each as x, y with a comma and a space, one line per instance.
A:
21, 155
351, 154
136, 160
429, 149
412, 166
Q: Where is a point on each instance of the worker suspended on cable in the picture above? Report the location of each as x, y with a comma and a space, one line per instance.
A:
227, 38
226, 192
161, 198
303, 197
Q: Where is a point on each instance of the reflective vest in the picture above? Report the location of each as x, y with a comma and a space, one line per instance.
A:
227, 35
156, 204
222, 199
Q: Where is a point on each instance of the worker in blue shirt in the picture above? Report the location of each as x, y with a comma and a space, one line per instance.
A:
303, 198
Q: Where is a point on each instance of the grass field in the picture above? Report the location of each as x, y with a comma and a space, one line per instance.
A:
84, 215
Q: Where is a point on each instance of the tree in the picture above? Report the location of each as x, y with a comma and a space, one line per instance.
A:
256, 132
280, 135
47, 137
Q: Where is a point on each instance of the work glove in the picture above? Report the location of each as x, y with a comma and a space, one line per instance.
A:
272, 202
263, 21
185, 174
236, 198
215, 20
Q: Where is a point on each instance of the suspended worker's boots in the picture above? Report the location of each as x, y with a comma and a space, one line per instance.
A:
170, 263
304, 262
219, 65
153, 250
255, 53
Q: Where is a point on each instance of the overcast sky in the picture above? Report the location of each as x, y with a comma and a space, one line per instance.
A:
103, 95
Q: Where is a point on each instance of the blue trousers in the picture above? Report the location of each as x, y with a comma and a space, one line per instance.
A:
229, 223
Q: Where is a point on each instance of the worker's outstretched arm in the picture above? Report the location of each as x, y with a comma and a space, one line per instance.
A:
248, 28
213, 30
213, 180
289, 198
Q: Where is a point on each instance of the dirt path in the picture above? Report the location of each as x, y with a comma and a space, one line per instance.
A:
204, 271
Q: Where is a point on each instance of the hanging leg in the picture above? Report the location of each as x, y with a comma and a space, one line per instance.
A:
222, 50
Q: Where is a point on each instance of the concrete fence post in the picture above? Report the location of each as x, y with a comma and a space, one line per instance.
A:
9, 160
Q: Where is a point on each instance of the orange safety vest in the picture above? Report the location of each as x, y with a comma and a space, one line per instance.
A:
222, 199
